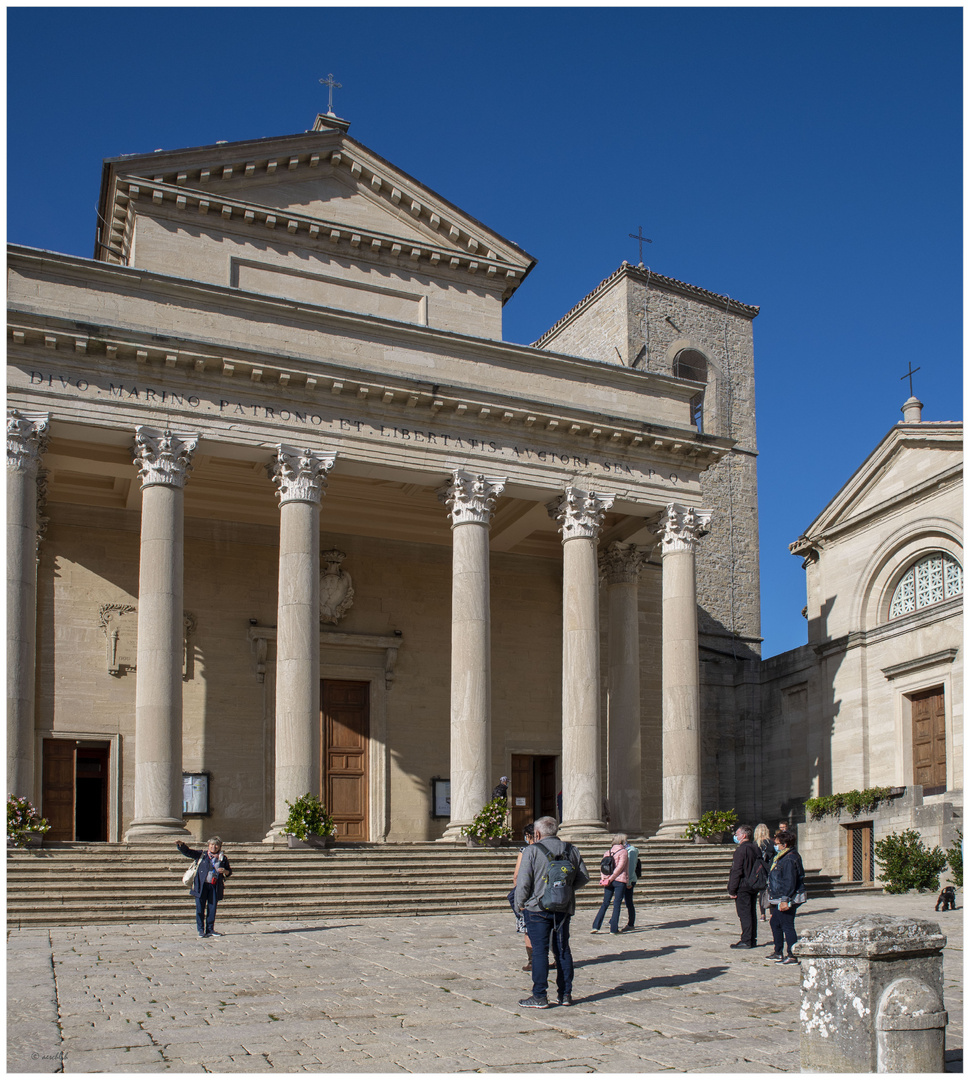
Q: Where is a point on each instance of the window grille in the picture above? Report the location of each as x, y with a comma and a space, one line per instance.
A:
934, 578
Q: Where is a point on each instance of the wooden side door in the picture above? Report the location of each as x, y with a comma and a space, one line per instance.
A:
345, 727
860, 852
929, 741
58, 795
521, 794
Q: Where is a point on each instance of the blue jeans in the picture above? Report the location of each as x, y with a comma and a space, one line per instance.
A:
615, 893
206, 900
541, 926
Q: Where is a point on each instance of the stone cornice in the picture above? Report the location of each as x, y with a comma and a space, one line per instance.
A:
41, 333
907, 667
362, 244
204, 172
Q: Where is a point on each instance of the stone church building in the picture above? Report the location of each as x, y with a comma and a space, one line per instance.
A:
286, 514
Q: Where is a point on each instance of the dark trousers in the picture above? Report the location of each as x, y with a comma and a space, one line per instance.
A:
747, 905
205, 909
783, 927
631, 911
615, 893
541, 927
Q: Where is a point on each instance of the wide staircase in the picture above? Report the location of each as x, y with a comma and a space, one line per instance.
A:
74, 884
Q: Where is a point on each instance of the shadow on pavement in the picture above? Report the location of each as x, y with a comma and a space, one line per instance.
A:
633, 954
701, 975
678, 923
310, 929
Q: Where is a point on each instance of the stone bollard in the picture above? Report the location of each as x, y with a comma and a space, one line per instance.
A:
872, 996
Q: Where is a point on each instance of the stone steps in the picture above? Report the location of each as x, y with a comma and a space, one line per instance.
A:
73, 884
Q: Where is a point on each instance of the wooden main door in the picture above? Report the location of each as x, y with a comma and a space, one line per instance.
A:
75, 790
344, 731
929, 741
532, 790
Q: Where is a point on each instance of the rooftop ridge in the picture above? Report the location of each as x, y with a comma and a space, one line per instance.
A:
695, 291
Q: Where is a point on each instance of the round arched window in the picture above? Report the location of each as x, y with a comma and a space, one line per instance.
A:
691, 364
934, 578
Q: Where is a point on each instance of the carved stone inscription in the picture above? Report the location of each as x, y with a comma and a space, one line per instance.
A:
304, 418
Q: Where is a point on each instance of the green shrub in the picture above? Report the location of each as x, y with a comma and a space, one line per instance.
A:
855, 802
711, 822
23, 822
907, 863
491, 822
954, 856
308, 817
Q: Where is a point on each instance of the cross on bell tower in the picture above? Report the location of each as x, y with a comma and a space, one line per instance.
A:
332, 85
638, 235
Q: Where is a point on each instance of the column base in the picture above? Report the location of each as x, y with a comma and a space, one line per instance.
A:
584, 832
156, 829
452, 834
672, 830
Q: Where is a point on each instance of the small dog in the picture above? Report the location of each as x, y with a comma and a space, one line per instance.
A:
948, 898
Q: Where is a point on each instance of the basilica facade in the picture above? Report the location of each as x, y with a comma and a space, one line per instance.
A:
287, 515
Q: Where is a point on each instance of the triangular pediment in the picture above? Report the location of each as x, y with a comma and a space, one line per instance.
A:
320, 187
910, 459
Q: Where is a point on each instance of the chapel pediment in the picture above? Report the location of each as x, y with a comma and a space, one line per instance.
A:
912, 460
321, 194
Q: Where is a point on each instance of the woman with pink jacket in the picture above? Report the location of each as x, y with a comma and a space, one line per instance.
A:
614, 883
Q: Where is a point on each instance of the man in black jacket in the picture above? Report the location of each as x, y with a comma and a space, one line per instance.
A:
746, 900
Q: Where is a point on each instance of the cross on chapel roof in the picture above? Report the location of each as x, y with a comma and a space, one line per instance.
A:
331, 84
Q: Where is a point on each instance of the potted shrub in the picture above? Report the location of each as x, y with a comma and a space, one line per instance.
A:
308, 824
25, 826
490, 827
711, 827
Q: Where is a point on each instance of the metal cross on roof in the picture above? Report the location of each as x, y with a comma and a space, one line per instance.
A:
638, 235
329, 82
909, 375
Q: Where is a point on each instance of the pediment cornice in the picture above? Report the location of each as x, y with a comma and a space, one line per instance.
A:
226, 179
841, 514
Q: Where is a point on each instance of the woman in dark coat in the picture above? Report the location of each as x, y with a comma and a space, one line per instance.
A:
208, 885
786, 893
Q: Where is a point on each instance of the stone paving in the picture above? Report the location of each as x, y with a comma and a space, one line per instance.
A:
426, 994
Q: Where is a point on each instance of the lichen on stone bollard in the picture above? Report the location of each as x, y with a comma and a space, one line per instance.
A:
872, 996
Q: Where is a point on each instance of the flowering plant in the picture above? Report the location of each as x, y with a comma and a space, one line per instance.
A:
308, 817
491, 822
23, 821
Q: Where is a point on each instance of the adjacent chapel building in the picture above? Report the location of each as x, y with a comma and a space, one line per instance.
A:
287, 515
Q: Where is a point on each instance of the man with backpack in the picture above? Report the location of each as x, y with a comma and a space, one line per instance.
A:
545, 893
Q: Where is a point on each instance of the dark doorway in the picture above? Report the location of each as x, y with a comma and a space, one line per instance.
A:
344, 731
532, 790
75, 790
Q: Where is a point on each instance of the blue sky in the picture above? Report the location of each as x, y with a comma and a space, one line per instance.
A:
807, 160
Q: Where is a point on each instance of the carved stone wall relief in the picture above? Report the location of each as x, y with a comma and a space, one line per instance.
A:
336, 587
120, 625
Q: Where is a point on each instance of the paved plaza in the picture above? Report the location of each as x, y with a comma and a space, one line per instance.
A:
424, 994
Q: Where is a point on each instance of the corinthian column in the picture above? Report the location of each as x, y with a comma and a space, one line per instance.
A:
680, 529
620, 567
300, 478
26, 442
470, 498
580, 516
164, 460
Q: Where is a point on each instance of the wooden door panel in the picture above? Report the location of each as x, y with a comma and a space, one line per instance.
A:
929, 739
345, 727
58, 787
521, 787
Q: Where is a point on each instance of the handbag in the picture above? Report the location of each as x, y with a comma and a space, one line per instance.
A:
189, 876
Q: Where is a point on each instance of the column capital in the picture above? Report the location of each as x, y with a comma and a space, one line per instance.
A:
620, 564
470, 497
681, 527
164, 457
27, 435
579, 513
300, 475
